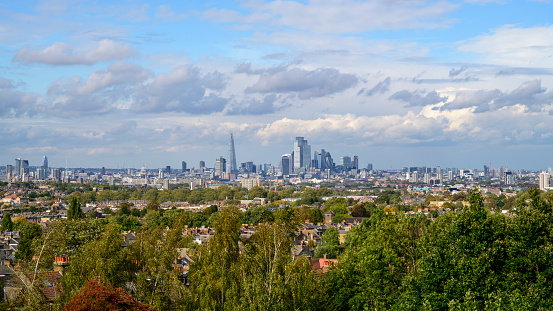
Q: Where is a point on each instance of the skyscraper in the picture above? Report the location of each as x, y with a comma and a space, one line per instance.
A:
233, 169
302, 154
44, 171
285, 162
183, 166
45, 162
17, 167
220, 166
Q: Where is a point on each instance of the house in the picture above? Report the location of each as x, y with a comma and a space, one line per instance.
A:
321, 265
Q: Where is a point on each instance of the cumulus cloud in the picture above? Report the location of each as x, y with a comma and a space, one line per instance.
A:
529, 94
100, 93
380, 88
180, 90
256, 107
455, 72
307, 84
408, 129
418, 98
118, 73
16, 103
60, 53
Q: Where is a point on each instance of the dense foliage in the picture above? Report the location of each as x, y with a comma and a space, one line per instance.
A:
472, 258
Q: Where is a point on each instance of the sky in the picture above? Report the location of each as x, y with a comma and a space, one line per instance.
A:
397, 82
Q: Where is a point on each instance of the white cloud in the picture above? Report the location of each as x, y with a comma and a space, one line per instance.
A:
60, 53
339, 16
512, 46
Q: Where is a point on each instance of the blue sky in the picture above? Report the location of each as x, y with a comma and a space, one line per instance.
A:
398, 83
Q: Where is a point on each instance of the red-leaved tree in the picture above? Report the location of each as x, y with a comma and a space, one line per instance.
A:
97, 296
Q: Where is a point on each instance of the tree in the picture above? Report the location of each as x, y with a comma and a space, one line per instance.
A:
7, 224
359, 210
315, 215
213, 277
75, 211
257, 192
104, 258
28, 232
96, 296
125, 208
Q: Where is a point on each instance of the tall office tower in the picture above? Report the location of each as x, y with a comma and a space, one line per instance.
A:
285, 164
326, 161
40, 173
160, 174
509, 178
233, 169
316, 162
168, 169
345, 162
25, 167
486, 171
56, 173
220, 166
183, 166
369, 167
17, 167
9, 172
544, 180
104, 171
302, 154
355, 164
202, 165
45, 163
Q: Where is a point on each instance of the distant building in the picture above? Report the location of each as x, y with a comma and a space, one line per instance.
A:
302, 154
345, 162
232, 156
183, 166
220, 166
545, 178
285, 164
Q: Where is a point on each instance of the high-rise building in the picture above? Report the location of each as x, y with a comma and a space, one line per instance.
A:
544, 180
345, 162
45, 163
220, 166
233, 169
302, 154
183, 166
202, 165
24, 167
285, 164
369, 167
104, 171
168, 169
17, 167
509, 178
355, 164
56, 174
9, 172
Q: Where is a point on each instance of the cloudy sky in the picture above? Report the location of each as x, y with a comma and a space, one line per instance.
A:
398, 83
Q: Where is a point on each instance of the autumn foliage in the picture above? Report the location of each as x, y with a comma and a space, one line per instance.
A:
97, 296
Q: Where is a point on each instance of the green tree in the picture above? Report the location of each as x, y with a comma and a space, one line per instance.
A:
214, 278
7, 224
75, 211
257, 192
315, 215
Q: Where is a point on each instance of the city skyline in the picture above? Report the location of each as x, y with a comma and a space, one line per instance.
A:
402, 83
